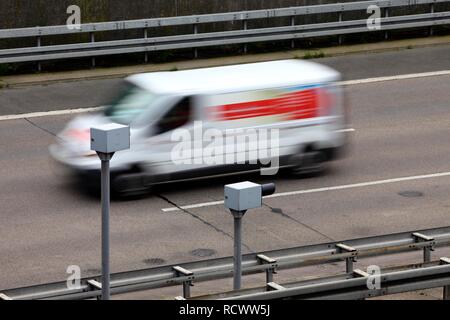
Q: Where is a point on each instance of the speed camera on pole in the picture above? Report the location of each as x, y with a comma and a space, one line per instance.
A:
239, 197
106, 140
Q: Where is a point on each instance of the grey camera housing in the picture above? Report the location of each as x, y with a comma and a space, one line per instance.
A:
243, 196
110, 138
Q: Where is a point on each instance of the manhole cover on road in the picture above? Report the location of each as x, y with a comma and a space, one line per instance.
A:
203, 252
153, 261
411, 194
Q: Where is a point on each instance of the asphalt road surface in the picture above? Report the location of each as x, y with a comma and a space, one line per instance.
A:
92, 93
402, 129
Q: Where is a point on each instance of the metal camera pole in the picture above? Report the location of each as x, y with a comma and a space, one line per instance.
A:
106, 140
106, 199
237, 215
239, 197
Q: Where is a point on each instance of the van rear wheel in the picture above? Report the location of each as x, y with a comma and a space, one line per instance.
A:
129, 185
309, 163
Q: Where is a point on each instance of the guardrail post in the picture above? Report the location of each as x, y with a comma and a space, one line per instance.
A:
292, 25
270, 271
187, 289
340, 36
269, 275
419, 237
182, 272
95, 285
349, 260
446, 290
426, 254
92, 36
431, 11
39, 66
245, 28
349, 265
195, 50
146, 53
357, 273
446, 294
386, 14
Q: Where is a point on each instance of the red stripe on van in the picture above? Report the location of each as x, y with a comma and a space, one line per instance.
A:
298, 105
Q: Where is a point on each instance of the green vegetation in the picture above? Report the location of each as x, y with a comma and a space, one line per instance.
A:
314, 55
162, 56
7, 68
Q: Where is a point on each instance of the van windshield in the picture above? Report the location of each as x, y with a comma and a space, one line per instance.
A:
129, 103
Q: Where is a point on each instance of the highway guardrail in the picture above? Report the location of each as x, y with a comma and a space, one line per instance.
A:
267, 262
245, 36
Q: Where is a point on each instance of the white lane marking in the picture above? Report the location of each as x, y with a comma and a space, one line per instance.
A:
342, 83
399, 77
346, 130
48, 113
324, 189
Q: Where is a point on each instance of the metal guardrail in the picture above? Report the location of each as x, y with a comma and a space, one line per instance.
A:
351, 287
269, 262
197, 40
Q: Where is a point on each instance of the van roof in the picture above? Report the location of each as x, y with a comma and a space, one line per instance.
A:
234, 78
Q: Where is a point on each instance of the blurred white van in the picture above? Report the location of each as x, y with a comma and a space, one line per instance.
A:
214, 121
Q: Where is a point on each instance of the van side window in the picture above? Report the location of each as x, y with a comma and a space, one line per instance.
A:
178, 116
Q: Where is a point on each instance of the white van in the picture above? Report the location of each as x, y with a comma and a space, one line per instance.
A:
214, 121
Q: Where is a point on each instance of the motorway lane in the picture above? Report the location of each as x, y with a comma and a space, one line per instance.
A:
56, 96
91, 93
394, 62
397, 116
402, 129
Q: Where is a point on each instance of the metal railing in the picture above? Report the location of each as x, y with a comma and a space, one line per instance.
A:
187, 274
196, 40
357, 285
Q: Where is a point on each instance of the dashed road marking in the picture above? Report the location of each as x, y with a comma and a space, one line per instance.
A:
324, 189
342, 83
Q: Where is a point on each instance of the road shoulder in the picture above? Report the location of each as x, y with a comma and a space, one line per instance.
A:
119, 72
